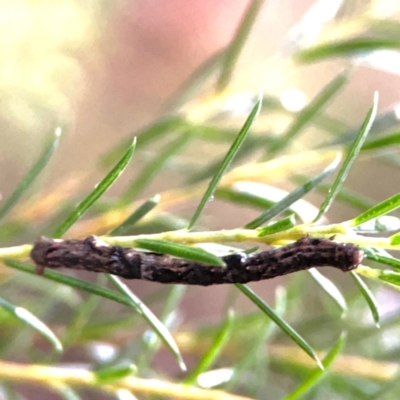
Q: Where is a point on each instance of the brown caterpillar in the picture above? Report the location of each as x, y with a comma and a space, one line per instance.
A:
92, 254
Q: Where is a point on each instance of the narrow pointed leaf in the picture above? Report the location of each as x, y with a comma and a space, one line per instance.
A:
105, 184
251, 250
82, 315
168, 317
161, 222
386, 260
278, 226
226, 161
150, 171
317, 375
266, 329
214, 351
29, 319
243, 198
145, 136
384, 223
368, 296
392, 139
292, 197
159, 328
170, 308
32, 174
280, 308
65, 392
382, 208
191, 85
127, 298
330, 288
283, 325
174, 297
235, 47
395, 239
115, 372
308, 113
349, 47
248, 147
350, 158
390, 277
72, 282
136, 216
180, 250
345, 195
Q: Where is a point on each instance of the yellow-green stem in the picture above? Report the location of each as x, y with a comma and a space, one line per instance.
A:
51, 376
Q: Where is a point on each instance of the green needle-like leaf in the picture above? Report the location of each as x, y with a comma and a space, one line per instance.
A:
350, 158
278, 226
233, 51
145, 136
65, 392
384, 223
170, 308
72, 282
347, 47
127, 298
149, 172
386, 260
191, 85
392, 139
33, 173
368, 296
265, 328
159, 328
330, 288
214, 351
382, 208
82, 315
308, 113
292, 197
248, 147
105, 184
180, 250
391, 277
243, 198
136, 216
286, 328
318, 374
346, 196
115, 372
395, 239
29, 319
226, 161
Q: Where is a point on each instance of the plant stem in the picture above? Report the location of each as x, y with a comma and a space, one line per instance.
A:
148, 387
338, 232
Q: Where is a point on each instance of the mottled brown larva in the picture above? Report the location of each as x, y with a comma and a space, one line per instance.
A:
92, 254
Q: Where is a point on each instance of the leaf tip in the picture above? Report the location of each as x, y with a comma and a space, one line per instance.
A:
182, 365
58, 347
319, 363
156, 198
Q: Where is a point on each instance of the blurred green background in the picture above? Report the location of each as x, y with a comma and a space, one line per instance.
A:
183, 77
